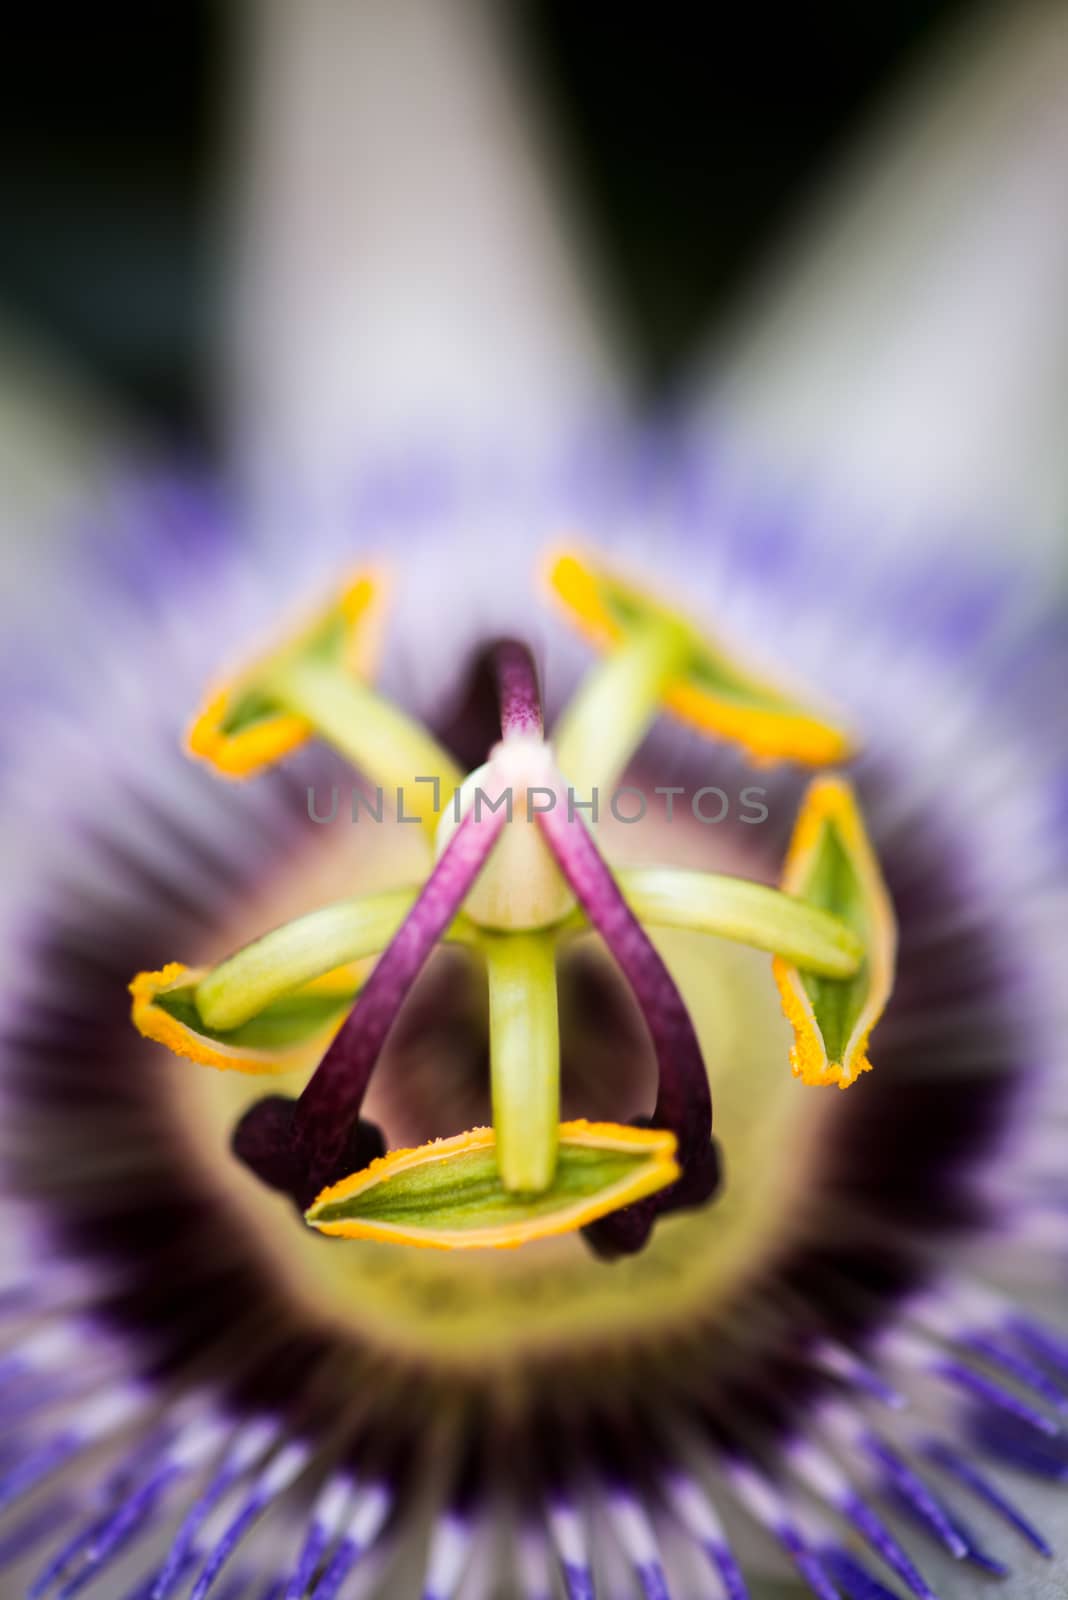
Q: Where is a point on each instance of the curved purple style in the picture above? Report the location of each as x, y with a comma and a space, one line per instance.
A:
302, 1146
517, 689
683, 1101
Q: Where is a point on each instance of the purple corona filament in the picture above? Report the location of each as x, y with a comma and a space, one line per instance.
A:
879, 1537
958, 1467
1026, 1372
996, 1395
850, 1578
913, 1492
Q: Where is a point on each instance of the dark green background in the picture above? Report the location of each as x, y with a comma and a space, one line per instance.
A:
695, 132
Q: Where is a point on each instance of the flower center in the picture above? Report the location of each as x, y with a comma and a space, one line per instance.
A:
473, 1309
514, 890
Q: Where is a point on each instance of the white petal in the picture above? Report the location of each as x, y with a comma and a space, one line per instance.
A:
403, 271
912, 347
57, 438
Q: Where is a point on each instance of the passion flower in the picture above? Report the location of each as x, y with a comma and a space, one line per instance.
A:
514, 879
819, 1334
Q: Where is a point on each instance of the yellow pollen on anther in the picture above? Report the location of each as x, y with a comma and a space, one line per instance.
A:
275, 733
766, 736
332, 996
830, 804
241, 755
749, 710
656, 1172
808, 1054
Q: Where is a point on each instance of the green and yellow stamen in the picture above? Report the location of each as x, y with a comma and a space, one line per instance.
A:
831, 865
314, 684
448, 1195
285, 1034
656, 658
514, 888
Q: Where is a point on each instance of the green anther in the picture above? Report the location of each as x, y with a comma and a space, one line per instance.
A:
611, 711
524, 1056
709, 687
287, 957
448, 1194
390, 747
